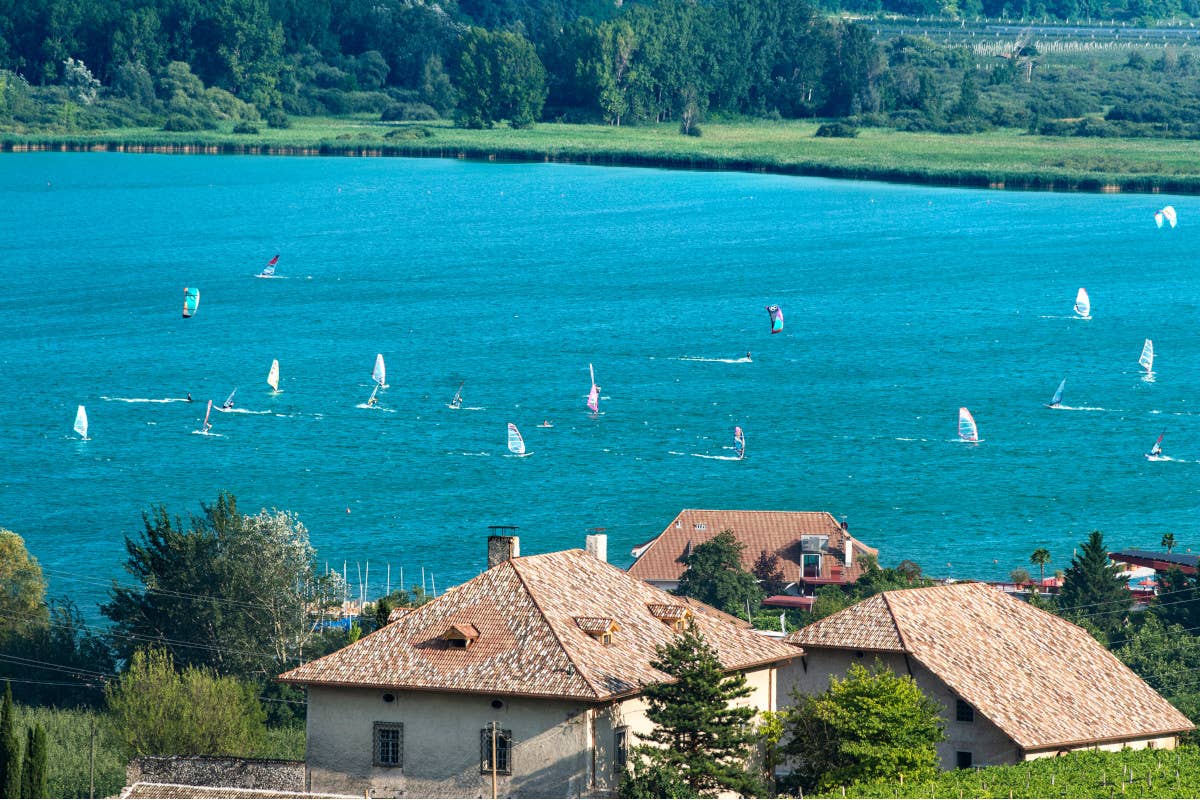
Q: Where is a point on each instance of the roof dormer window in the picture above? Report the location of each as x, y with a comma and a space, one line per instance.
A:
674, 615
460, 637
599, 628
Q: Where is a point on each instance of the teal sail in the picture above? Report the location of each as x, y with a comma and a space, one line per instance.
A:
191, 301
1057, 399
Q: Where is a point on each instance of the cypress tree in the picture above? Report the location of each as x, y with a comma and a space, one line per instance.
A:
1093, 589
701, 745
34, 778
10, 748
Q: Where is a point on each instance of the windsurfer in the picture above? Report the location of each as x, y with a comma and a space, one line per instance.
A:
227, 404
372, 400
189, 397
748, 355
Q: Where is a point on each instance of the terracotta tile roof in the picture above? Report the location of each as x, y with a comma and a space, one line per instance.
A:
773, 531
529, 642
1042, 680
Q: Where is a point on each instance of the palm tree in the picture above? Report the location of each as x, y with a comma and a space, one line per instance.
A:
1168, 541
1041, 557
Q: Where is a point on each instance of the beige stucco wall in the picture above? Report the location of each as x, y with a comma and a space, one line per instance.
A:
551, 744
560, 749
987, 744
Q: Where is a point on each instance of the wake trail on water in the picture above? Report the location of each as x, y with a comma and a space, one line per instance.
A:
742, 360
145, 399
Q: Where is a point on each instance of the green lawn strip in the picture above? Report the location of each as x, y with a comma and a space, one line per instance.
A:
1004, 158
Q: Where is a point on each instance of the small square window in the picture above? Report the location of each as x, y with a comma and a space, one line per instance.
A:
503, 748
964, 711
389, 744
620, 748
964, 759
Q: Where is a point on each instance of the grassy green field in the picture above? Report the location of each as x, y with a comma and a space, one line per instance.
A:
998, 159
1140, 773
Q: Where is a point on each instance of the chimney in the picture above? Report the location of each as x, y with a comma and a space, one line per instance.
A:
597, 543
849, 552
503, 544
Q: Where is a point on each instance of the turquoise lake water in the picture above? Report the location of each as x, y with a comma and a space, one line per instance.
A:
902, 304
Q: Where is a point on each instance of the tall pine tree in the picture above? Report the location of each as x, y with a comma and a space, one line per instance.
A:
701, 744
10, 748
1093, 590
33, 774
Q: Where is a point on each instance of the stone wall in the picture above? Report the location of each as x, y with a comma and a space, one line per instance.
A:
240, 773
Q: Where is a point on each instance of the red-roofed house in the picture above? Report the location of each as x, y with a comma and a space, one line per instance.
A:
555, 649
1016, 682
814, 549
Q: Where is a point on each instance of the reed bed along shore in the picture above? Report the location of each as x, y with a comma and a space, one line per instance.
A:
1007, 159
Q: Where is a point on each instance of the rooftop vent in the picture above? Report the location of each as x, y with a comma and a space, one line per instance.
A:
460, 637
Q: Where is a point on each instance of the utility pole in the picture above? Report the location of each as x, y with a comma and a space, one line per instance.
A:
494, 793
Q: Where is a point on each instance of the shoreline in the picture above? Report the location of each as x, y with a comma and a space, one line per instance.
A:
1016, 180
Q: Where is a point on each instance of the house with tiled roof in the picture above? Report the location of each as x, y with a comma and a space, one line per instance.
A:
530, 674
814, 549
1015, 682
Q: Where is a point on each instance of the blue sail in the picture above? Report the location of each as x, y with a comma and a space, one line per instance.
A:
1058, 393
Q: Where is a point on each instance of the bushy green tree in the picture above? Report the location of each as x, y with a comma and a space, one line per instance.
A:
715, 575
22, 588
1093, 589
499, 78
160, 711
700, 740
1179, 602
234, 592
871, 725
1166, 656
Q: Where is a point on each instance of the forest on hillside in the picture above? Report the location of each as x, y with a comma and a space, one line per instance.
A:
186, 65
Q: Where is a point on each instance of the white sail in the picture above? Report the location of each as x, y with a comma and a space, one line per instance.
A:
229, 400
967, 431
1147, 359
273, 375
1169, 213
1083, 305
81, 422
457, 401
207, 425
371, 400
379, 374
516, 444
739, 441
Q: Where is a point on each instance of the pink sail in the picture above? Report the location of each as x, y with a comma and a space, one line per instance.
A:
593, 401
